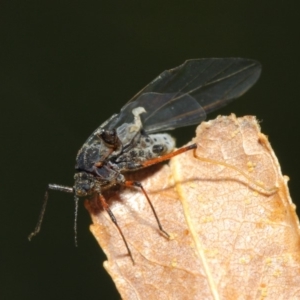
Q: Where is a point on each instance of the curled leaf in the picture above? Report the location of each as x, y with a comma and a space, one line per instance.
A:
234, 231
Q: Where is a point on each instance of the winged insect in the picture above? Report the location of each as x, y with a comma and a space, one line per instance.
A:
131, 139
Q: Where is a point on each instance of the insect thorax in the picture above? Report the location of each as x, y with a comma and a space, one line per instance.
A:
108, 153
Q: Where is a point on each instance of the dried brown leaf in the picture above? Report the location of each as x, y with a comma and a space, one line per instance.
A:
234, 231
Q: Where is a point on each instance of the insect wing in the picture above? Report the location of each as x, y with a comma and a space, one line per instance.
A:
160, 115
182, 96
208, 80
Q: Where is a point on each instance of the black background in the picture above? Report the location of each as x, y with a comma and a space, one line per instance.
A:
67, 66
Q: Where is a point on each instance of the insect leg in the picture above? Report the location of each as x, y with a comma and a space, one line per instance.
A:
56, 187
168, 156
113, 218
262, 188
138, 184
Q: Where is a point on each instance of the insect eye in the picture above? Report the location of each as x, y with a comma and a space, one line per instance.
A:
85, 186
83, 189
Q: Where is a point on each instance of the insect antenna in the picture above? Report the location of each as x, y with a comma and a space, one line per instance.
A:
55, 187
76, 199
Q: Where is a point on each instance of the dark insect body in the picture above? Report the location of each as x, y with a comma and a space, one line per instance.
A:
129, 141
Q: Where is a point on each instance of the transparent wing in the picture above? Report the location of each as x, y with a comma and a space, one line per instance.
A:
160, 115
182, 96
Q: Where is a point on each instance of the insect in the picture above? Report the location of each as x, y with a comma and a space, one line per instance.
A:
130, 140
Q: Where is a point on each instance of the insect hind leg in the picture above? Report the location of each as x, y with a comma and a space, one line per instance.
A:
155, 161
260, 187
168, 156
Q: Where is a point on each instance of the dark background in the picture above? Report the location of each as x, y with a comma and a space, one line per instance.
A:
66, 67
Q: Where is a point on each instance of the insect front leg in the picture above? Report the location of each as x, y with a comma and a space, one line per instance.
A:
55, 187
114, 220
